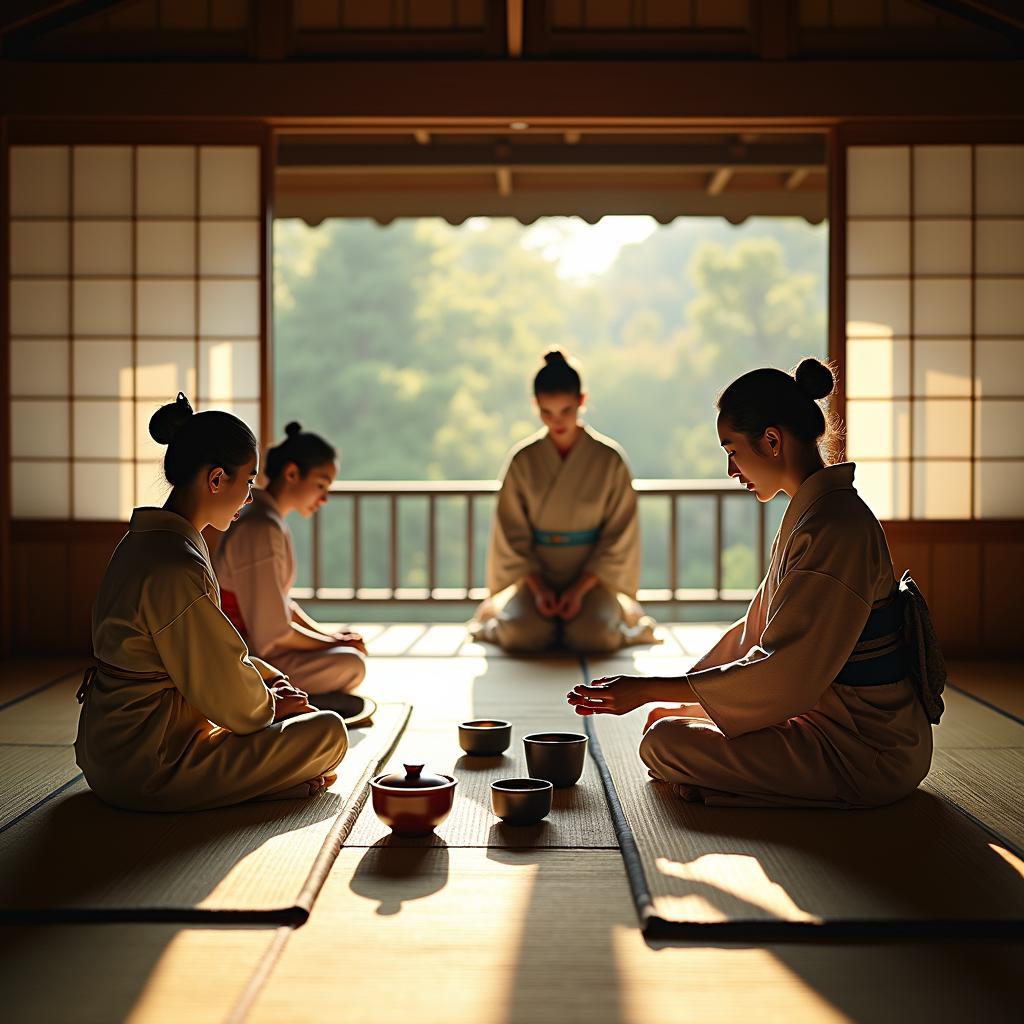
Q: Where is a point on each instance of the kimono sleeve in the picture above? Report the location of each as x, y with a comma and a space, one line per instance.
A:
615, 560
511, 554
259, 579
814, 621
737, 639
208, 662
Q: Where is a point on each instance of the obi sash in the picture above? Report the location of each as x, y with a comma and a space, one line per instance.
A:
898, 641
565, 539
230, 607
118, 673
879, 656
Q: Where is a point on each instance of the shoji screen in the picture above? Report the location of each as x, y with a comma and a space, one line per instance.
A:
935, 329
135, 272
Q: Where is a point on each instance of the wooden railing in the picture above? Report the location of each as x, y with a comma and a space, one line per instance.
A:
394, 492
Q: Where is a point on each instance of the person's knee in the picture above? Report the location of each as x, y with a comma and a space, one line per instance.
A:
525, 637
353, 670
331, 739
590, 637
663, 747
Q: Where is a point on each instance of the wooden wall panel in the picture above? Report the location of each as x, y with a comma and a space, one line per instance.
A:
954, 595
1003, 568
41, 596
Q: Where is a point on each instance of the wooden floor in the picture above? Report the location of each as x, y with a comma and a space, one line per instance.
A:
485, 936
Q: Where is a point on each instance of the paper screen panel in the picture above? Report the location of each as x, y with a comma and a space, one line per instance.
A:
942, 306
40, 490
229, 181
878, 181
39, 307
103, 247
999, 306
39, 429
999, 366
878, 247
166, 181
39, 366
166, 308
877, 368
103, 181
1000, 171
942, 247
39, 247
103, 490
102, 430
102, 368
999, 427
163, 368
885, 486
942, 368
229, 309
942, 489
229, 247
165, 247
103, 307
39, 185
229, 370
942, 180
878, 430
942, 429
999, 490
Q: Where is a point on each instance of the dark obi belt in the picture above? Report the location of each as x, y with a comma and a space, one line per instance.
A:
565, 538
880, 655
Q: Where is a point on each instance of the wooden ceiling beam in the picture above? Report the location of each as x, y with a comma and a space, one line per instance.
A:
514, 28
794, 93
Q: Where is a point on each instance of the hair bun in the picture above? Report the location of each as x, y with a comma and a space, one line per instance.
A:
169, 419
292, 429
554, 357
815, 378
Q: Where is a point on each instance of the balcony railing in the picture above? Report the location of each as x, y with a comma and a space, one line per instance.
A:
663, 501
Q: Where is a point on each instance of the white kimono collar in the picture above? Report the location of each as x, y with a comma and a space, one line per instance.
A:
831, 478
149, 520
267, 505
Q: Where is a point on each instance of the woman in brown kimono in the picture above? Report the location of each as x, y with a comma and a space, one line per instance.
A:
255, 564
564, 558
811, 699
176, 715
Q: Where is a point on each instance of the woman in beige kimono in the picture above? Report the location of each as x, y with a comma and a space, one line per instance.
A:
812, 699
564, 558
176, 715
255, 564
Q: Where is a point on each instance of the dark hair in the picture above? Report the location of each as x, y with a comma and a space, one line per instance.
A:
304, 449
194, 440
769, 397
557, 376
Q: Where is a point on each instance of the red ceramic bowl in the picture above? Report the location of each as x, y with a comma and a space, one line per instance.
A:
408, 806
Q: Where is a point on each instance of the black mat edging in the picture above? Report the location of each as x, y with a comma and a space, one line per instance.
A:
41, 802
293, 916
657, 929
39, 689
986, 703
635, 873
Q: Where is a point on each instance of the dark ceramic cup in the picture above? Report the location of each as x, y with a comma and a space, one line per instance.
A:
556, 756
485, 737
521, 801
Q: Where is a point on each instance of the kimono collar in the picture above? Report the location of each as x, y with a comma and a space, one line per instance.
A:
585, 437
264, 501
831, 478
150, 520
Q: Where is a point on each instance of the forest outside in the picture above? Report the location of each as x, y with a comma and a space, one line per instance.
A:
411, 347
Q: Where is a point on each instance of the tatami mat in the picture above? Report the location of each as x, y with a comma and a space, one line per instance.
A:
1000, 683
986, 784
47, 715
77, 858
969, 723
853, 871
137, 973
29, 774
537, 936
22, 676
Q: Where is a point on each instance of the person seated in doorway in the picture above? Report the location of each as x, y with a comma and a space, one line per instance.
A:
176, 714
255, 563
564, 558
825, 692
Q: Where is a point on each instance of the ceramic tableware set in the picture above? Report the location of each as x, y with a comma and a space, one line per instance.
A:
415, 803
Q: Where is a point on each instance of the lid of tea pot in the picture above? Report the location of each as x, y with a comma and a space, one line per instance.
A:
414, 778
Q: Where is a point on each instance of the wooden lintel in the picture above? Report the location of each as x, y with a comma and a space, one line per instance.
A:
504, 179
718, 180
796, 177
811, 93
422, 136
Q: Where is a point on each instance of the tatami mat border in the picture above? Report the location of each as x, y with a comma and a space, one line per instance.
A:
657, 929
986, 703
39, 689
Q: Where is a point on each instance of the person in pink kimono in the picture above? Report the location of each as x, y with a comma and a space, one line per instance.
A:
816, 697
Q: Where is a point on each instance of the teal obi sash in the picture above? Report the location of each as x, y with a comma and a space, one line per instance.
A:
566, 539
879, 656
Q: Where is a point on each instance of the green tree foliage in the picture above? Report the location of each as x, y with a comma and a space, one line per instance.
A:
412, 347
